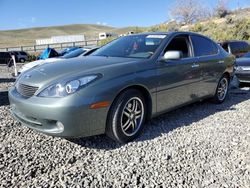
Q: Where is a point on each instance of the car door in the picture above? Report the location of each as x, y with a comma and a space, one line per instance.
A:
211, 63
179, 80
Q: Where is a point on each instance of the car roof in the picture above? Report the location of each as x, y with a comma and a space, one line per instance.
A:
170, 33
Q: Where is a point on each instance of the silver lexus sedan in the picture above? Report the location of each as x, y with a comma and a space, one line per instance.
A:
121, 85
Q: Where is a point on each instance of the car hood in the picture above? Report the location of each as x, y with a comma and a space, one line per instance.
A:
50, 73
243, 62
37, 62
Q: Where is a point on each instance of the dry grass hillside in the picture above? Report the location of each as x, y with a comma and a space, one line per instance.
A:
234, 26
28, 36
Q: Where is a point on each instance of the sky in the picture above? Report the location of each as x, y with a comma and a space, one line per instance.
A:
18, 14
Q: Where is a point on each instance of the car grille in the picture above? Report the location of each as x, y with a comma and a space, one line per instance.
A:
26, 90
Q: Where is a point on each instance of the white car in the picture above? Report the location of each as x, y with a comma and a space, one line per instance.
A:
75, 53
32, 64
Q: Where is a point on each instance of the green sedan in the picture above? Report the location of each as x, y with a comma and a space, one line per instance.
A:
121, 85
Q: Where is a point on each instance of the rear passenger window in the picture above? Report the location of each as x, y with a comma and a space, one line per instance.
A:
203, 46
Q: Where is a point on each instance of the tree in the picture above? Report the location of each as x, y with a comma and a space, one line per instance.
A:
189, 11
221, 9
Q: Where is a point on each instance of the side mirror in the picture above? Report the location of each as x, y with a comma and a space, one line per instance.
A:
172, 55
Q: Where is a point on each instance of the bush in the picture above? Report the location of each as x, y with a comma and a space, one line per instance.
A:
197, 28
106, 41
161, 27
241, 30
31, 58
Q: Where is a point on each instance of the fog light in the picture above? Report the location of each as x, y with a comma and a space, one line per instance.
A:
60, 126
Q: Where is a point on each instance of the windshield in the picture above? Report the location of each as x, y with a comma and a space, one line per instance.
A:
247, 55
74, 53
137, 46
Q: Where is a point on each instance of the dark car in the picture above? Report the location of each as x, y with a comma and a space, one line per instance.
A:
237, 48
5, 58
118, 87
242, 68
21, 56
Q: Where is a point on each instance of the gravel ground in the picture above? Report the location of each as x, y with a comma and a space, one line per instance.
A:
201, 145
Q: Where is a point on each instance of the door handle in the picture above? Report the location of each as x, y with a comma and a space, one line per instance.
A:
195, 66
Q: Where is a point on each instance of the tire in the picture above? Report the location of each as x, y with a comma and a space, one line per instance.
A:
221, 90
126, 116
22, 60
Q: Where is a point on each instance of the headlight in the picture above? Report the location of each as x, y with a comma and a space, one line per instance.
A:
63, 89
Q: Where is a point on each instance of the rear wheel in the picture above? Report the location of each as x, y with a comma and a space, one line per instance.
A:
222, 90
22, 60
126, 116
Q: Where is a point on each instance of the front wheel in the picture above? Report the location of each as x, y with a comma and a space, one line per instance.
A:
222, 90
126, 116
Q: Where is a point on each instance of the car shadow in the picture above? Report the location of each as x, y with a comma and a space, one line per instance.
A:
7, 80
171, 120
4, 100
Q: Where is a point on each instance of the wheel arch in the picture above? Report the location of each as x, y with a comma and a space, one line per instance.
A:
146, 94
227, 74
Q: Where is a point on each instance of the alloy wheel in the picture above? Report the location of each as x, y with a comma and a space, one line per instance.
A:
222, 89
132, 116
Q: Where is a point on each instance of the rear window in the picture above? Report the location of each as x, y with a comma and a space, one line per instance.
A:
23, 53
5, 55
203, 46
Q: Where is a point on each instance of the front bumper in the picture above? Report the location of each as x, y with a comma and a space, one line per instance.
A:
64, 117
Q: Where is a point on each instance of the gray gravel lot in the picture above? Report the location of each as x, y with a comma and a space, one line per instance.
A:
201, 145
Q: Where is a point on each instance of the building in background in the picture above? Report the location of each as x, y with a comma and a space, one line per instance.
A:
60, 39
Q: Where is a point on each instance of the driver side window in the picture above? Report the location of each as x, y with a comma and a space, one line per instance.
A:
180, 43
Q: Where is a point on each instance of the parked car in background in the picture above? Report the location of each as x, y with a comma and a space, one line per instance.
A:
68, 50
241, 50
246, 55
242, 68
72, 54
118, 87
6, 59
237, 48
21, 56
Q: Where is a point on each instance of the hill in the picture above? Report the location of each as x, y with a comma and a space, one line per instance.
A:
22, 37
28, 36
235, 25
